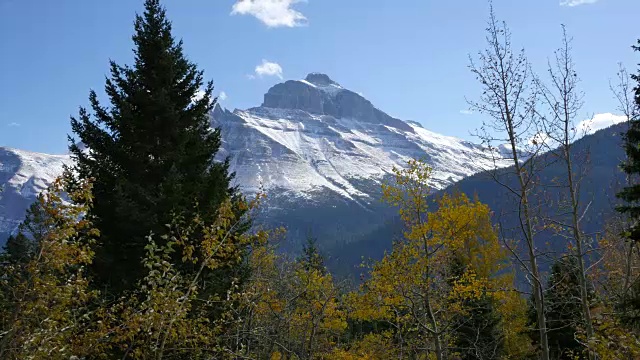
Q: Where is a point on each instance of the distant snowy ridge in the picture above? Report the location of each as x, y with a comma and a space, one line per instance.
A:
305, 139
34, 172
23, 175
312, 143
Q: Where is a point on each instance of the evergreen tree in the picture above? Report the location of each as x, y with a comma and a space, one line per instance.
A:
151, 153
631, 166
564, 314
479, 335
21, 247
18, 249
311, 258
477, 331
629, 306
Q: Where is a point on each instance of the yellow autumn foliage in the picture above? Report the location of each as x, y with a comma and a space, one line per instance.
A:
47, 299
413, 287
291, 311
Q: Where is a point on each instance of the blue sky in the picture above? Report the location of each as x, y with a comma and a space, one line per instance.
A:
409, 57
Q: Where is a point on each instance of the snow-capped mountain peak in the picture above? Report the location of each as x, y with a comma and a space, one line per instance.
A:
320, 79
23, 175
312, 136
311, 143
319, 95
323, 83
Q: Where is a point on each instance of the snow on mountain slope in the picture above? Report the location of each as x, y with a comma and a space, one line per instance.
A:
34, 172
313, 135
312, 143
23, 175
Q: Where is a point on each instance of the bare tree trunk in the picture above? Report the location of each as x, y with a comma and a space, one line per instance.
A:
625, 94
584, 291
504, 77
580, 253
538, 291
564, 101
435, 331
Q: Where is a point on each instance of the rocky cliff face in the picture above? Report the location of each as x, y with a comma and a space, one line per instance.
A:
318, 94
318, 150
321, 152
313, 134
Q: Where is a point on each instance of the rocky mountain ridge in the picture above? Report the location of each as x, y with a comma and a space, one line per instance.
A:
313, 146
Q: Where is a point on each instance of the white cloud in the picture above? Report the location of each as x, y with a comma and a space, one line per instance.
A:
466, 112
599, 121
267, 68
584, 127
13, 124
273, 13
572, 3
200, 94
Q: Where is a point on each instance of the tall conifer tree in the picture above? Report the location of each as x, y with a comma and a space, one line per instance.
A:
477, 332
631, 194
629, 305
564, 314
151, 152
311, 257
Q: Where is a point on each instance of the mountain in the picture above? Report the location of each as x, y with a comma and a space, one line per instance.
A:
318, 150
599, 177
23, 175
600, 154
313, 135
321, 151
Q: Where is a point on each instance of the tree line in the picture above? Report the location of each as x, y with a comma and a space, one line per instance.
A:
144, 249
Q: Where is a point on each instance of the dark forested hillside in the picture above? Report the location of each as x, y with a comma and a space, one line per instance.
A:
602, 179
